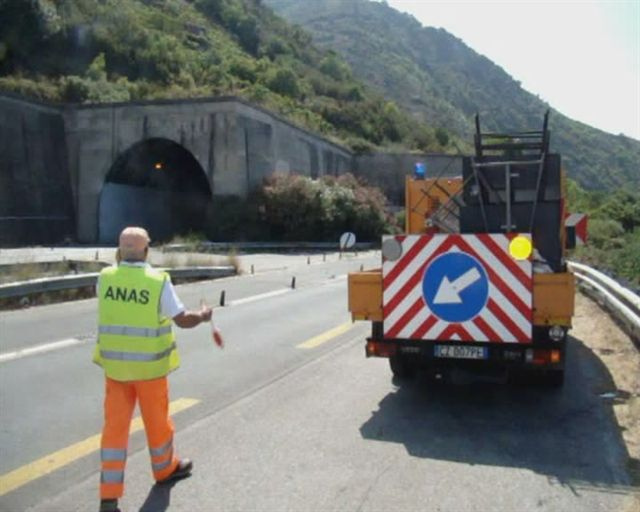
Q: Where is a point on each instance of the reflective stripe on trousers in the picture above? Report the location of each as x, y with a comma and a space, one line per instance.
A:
111, 477
161, 457
107, 454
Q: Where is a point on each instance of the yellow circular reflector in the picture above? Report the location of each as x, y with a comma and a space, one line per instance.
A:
520, 247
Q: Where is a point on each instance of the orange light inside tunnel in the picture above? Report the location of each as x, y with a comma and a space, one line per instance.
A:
158, 166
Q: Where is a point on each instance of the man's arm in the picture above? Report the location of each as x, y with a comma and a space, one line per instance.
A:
171, 306
188, 319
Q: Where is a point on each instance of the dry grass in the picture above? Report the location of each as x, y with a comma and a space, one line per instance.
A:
32, 270
188, 259
44, 298
234, 261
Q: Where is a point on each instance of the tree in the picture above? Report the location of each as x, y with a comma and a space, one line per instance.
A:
624, 207
284, 81
442, 137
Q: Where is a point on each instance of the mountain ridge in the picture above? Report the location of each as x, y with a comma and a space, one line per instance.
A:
436, 77
104, 51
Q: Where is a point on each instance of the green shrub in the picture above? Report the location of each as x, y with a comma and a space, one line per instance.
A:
335, 67
284, 81
40, 88
626, 261
299, 208
443, 137
604, 233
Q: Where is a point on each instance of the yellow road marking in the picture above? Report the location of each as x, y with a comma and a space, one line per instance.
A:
49, 463
326, 336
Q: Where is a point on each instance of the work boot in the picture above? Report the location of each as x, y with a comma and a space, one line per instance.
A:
109, 506
183, 470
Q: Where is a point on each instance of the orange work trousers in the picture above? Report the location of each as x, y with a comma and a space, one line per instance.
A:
119, 403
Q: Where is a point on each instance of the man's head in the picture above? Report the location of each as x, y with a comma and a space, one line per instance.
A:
133, 244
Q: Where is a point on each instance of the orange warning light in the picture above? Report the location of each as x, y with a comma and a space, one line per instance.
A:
158, 166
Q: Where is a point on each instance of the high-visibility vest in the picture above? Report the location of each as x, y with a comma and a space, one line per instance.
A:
134, 341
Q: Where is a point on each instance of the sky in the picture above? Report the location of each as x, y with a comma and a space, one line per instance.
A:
580, 56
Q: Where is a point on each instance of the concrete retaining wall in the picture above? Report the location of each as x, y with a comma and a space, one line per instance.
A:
388, 170
36, 203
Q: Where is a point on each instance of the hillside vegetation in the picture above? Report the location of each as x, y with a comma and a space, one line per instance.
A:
92, 51
293, 207
614, 231
440, 80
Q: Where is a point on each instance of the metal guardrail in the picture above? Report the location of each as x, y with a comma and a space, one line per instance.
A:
267, 246
621, 302
50, 284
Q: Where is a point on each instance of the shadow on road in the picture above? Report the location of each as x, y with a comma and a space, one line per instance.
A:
567, 434
159, 497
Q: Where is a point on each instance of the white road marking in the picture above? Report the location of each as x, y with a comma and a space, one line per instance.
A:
39, 349
48, 347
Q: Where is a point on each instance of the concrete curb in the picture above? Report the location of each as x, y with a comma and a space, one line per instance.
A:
50, 284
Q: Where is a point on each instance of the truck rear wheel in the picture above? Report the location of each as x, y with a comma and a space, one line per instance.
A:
401, 368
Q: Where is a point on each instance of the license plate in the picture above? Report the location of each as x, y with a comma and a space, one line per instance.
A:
461, 352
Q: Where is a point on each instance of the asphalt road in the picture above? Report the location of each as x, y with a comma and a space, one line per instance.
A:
292, 416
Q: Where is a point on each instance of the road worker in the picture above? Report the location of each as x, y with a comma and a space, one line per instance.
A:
136, 348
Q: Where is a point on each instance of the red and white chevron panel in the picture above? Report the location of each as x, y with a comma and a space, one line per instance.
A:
506, 315
579, 222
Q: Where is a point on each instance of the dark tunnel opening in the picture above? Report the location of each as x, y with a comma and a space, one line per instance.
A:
156, 184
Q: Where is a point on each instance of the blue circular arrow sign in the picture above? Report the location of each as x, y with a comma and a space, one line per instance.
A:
455, 287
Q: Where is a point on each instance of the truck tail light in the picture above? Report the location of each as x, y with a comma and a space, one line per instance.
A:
380, 349
542, 356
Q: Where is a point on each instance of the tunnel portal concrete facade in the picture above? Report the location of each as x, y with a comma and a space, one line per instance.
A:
55, 161
236, 144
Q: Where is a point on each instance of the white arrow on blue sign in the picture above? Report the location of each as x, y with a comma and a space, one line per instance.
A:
455, 287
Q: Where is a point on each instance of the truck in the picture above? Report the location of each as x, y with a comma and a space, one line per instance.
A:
478, 281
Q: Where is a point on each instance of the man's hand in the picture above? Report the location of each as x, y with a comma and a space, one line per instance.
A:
189, 319
205, 312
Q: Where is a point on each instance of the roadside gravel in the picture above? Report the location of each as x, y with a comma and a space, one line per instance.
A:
616, 350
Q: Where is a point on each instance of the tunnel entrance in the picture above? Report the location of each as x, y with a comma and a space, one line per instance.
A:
156, 184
